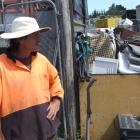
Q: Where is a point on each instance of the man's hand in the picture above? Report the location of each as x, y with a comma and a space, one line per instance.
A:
53, 108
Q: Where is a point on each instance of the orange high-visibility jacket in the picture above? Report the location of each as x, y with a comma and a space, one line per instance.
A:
24, 97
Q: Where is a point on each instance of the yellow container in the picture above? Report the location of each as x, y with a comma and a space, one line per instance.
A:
107, 23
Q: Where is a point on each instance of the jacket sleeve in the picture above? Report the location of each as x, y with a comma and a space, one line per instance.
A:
0, 92
55, 86
1, 135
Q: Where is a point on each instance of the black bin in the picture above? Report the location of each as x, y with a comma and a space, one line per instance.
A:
129, 126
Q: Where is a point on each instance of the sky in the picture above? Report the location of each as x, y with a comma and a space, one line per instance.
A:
105, 4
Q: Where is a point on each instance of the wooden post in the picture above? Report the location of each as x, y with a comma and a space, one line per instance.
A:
76, 78
68, 70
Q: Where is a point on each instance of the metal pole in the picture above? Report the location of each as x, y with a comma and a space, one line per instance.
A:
60, 69
2, 4
88, 110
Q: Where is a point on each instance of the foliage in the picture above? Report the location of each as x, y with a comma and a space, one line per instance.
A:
116, 10
102, 17
113, 10
97, 14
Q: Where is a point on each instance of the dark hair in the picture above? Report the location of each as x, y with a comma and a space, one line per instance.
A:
14, 44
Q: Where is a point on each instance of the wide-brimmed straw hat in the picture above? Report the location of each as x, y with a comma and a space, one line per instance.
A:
23, 26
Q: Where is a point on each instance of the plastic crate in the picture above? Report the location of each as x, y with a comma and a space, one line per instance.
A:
106, 65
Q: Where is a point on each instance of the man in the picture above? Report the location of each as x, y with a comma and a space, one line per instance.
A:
30, 89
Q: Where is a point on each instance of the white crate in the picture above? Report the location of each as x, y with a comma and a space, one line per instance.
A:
106, 65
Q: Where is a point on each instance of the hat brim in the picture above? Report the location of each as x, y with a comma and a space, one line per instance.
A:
20, 34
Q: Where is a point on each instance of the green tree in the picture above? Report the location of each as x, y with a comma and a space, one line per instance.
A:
116, 10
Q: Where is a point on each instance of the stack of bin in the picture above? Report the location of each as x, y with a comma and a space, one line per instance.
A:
107, 22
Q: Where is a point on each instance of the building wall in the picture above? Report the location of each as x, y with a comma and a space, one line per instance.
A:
138, 12
110, 95
80, 14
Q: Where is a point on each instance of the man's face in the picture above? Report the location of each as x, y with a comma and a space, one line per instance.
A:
31, 42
